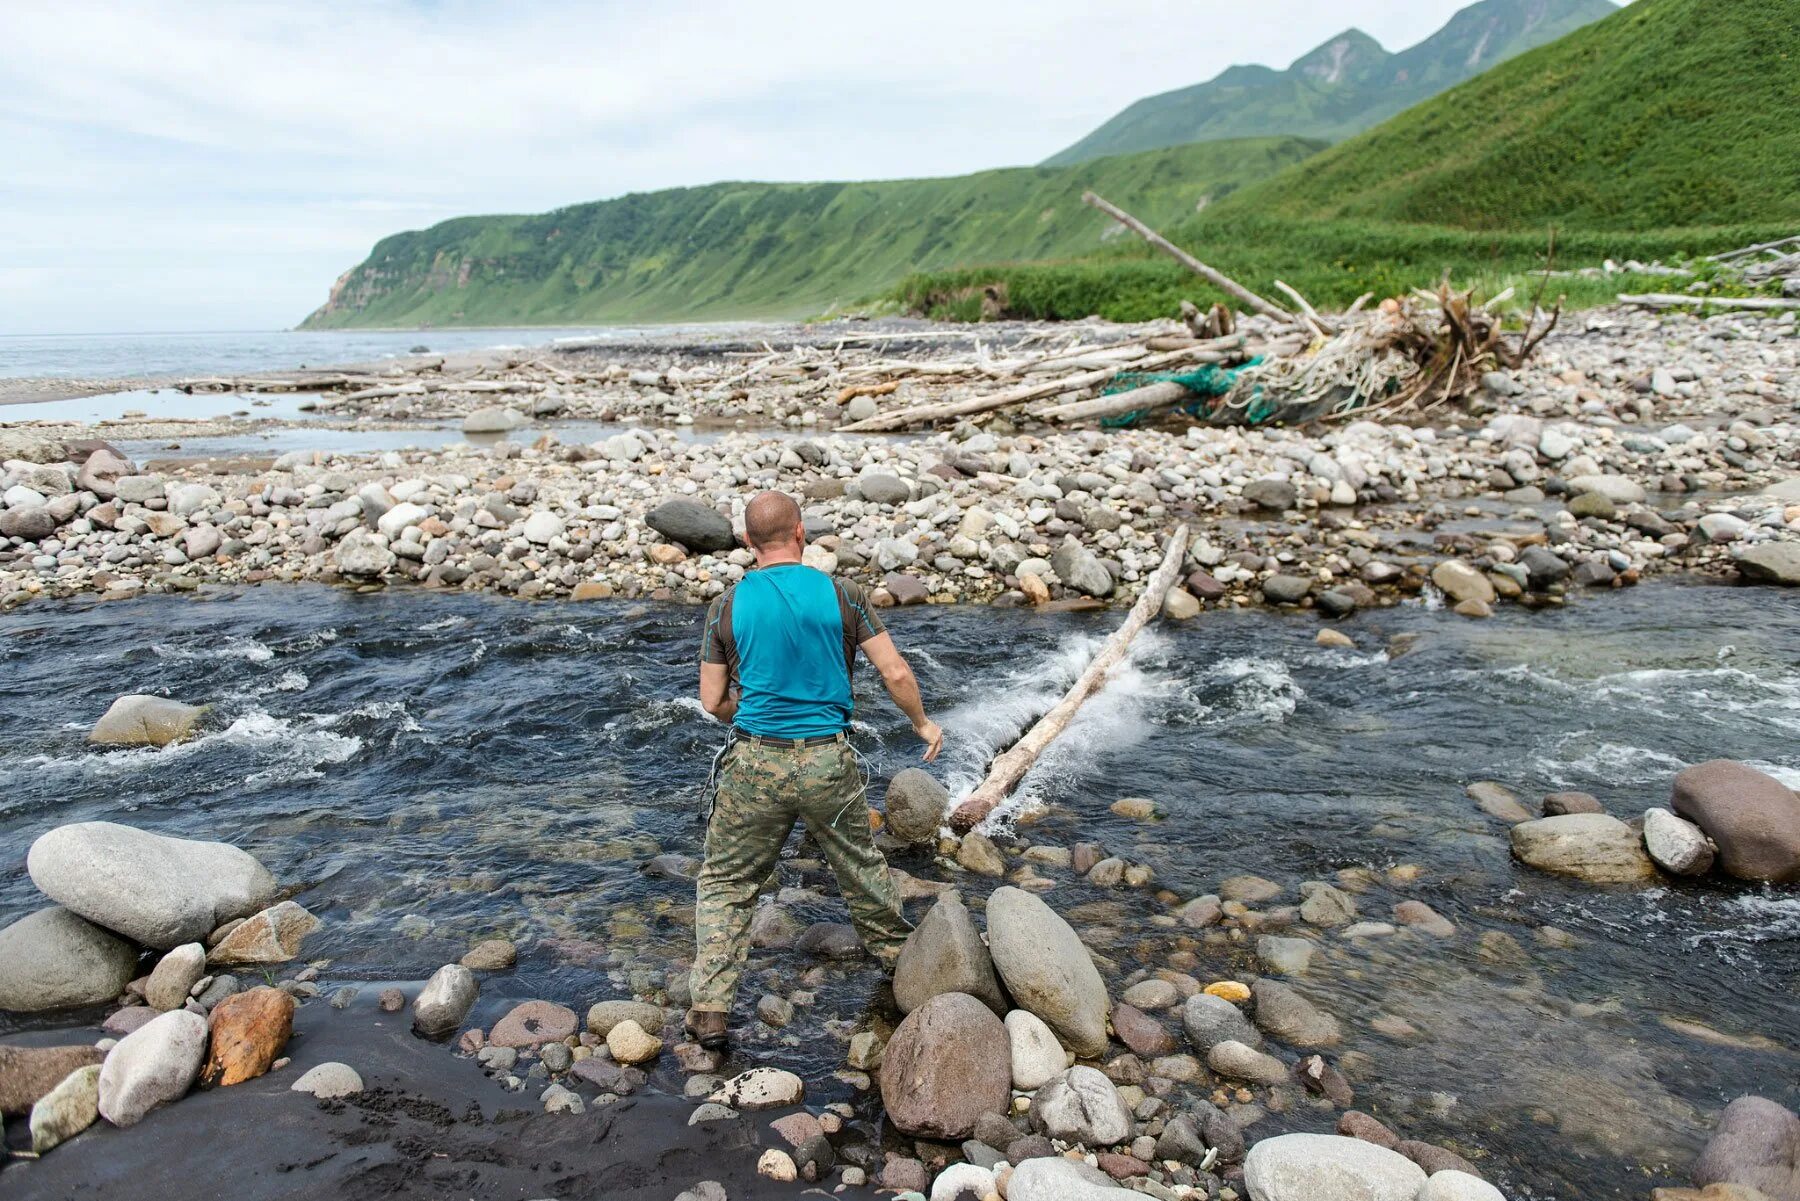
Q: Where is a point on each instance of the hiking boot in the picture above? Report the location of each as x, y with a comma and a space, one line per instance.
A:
708, 1028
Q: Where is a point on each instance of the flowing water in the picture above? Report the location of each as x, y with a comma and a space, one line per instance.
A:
435, 768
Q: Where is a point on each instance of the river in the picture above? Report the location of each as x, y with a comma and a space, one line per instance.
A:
435, 768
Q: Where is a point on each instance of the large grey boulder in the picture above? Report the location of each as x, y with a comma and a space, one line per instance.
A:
1752, 817
947, 1063
153, 1065
1312, 1167
1757, 1143
882, 488
1082, 1106
1770, 562
1079, 568
153, 889
1053, 1178
55, 959
945, 954
445, 1001
1676, 845
138, 720
1593, 847
1211, 1020
1047, 969
692, 524
916, 806
363, 554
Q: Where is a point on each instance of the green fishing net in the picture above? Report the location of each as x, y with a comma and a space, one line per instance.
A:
1207, 383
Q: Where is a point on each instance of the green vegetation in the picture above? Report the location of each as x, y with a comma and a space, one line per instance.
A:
1664, 131
1345, 86
771, 250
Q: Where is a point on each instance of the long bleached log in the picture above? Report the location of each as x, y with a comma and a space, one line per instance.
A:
1148, 397
1215, 277
1670, 300
921, 414
1009, 768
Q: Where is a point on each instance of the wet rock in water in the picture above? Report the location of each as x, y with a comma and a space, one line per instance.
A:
444, 1001
1047, 969
796, 1128
1248, 890
773, 1011
671, 867
1498, 801
138, 720
329, 1080
1237, 1061
947, 1063
1317, 1076
1284, 956
773, 928
494, 419
1753, 818
1200, 912
174, 976
491, 955
533, 1024
1142, 1033
391, 1000
1460, 582
1434, 1158
1592, 847
1356, 1124
960, 1178
248, 1031
1210, 1020
1757, 1143
1058, 1179
1152, 994
916, 806
977, 853
1770, 562
1284, 1014
631, 1043
152, 1066
761, 1088
28, 1073
904, 1174
56, 959
1208, 1126
1308, 1167
602, 1016
1452, 1185
1082, 1106
830, 940
1556, 804
696, 526
1036, 1055
1107, 873
272, 936
155, 890
945, 954
66, 1110
1423, 918
1676, 845
710, 1111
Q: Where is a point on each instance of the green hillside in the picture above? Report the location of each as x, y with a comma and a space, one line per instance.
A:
1665, 130
1344, 86
770, 250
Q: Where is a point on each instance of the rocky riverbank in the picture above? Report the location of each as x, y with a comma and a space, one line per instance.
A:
1010, 1059
1632, 445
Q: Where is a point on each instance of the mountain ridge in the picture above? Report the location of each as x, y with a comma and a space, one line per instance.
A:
1317, 95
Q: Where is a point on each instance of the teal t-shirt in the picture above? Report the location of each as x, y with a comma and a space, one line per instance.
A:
788, 634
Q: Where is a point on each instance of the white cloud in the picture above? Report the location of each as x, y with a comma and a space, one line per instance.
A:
211, 164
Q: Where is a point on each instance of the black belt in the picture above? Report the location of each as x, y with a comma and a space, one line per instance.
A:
788, 744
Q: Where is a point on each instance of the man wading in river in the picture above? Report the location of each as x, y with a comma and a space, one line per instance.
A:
775, 663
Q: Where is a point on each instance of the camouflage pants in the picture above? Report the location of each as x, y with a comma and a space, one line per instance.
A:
763, 791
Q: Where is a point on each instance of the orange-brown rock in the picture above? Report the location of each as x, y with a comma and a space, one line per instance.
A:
249, 1029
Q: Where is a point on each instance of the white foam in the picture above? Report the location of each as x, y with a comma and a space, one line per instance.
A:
247, 649
443, 623
1617, 763
293, 680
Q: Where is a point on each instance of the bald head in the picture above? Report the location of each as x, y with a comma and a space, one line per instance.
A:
772, 521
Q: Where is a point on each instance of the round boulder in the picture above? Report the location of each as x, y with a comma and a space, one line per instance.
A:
55, 959
1308, 1167
1082, 1106
1593, 847
1752, 817
1047, 969
692, 524
947, 1063
916, 806
151, 1066
138, 720
1676, 845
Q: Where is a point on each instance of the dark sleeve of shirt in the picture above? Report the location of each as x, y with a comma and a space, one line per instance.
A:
715, 643
861, 621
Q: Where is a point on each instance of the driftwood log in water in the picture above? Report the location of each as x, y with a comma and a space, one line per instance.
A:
1215, 277
1009, 768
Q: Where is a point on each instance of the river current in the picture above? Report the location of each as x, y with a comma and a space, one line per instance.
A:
434, 768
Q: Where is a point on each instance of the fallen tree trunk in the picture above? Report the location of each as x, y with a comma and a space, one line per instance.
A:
1009, 768
1217, 278
919, 414
1150, 396
1670, 300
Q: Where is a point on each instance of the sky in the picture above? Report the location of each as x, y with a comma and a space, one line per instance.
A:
208, 165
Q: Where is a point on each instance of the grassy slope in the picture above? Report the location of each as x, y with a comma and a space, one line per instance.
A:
1665, 129
1252, 101
753, 249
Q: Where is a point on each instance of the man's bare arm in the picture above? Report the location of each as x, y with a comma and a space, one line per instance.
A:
715, 691
897, 676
